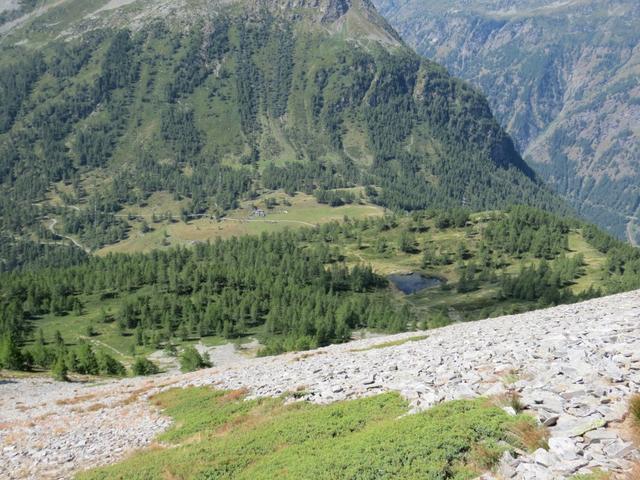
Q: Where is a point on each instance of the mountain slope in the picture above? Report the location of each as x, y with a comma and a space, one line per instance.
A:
562, 78
577, 348
212, 100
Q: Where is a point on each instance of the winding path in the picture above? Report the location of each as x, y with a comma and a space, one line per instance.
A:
52, 229
102, 344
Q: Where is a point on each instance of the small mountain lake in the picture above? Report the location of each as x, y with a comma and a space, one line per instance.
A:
414, 282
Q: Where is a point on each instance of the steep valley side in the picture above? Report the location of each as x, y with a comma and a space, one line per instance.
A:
562, 77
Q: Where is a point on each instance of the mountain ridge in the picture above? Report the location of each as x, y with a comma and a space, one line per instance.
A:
134, 14
562, 79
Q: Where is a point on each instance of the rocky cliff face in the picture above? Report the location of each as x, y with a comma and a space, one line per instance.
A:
563, 79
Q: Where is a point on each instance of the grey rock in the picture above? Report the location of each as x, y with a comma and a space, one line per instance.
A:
600, 434
564, 448
549, 420
544, 458
616, 413
569, 467
510, 411
494, 390
370, 381
507, 466
532, 471
619, 449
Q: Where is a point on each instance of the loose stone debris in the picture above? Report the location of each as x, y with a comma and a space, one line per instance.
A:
574, 368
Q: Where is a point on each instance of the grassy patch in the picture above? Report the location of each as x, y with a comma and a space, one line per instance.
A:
221, 435
394, 343
291, 212
596, 475
594, 262
12, 374
510, 377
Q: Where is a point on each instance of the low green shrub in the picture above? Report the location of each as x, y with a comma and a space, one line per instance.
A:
191, 360
220, 435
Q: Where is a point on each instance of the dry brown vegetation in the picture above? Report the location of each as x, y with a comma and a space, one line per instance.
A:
136, 394
233, 395
634, 410
262, 413
509, 399
95, 407
634, 473
529, 435
394, 343
631, 426
304, 356
75, 400
483, 457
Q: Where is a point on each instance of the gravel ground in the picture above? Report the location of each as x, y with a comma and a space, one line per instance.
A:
574, 366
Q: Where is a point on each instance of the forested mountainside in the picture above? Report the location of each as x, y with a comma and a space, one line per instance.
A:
214, 100
562, 77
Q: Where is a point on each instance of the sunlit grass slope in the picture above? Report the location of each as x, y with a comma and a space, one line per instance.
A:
219, 435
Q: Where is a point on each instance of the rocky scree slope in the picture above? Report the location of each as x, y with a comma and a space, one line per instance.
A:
574, 366
562, 77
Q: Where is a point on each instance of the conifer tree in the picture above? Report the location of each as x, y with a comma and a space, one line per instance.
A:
59, 370
11, 357
58, 340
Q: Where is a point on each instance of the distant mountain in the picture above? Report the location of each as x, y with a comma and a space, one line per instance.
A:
212, 100
562, 77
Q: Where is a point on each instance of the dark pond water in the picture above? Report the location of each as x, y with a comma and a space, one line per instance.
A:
414, 282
